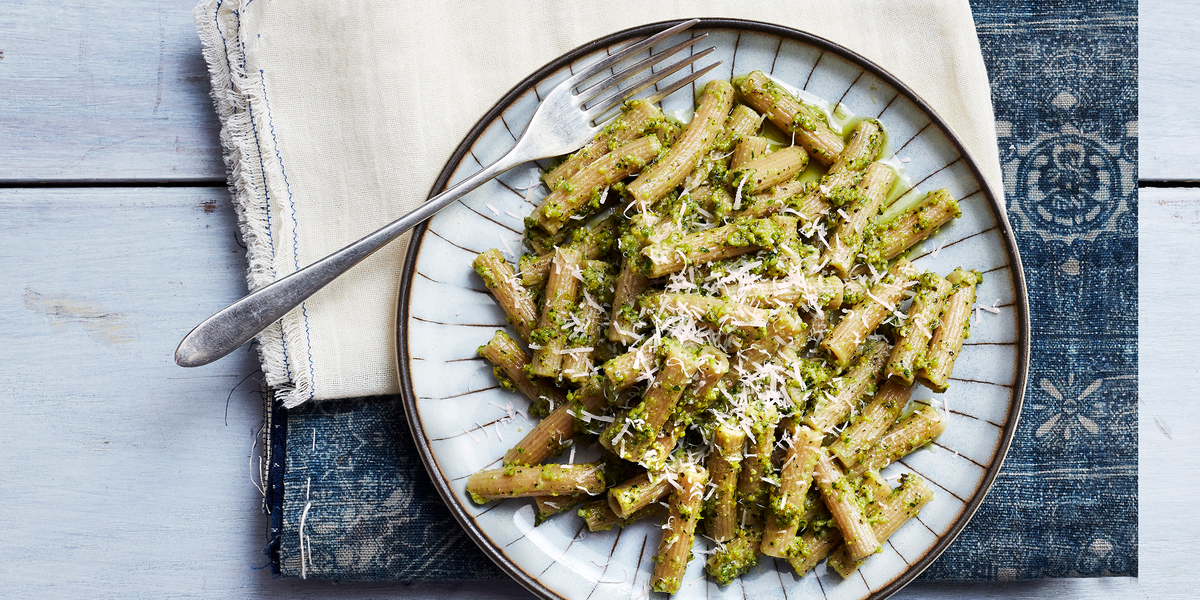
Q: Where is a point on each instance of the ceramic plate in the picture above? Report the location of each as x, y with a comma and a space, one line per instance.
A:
464, 422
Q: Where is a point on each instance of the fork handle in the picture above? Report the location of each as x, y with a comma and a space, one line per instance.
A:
225, 331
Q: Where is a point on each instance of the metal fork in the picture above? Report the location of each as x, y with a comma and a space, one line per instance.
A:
564, 121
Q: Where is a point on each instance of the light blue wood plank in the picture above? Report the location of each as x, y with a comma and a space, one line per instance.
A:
1168, 90
104, 89
123, 474
1168, 413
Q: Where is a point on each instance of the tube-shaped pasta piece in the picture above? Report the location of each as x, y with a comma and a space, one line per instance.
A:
793, 116
637, 118
711, 366
818, 539
782, 331
577, 362
737, 238
911, 227
508, 365
749, 149
839, 496
679, 531
841, 188
881, 301
599, 516
714, 201
637, 493
845, 393
795, 476
727, 316
630, 283
561, 288
644, 422
584, 333
854, 291
903, 504
801, 291
724, 464
548, 506
548, 437
743, 122
877, 181
735, 557
838, 185
588, 185
769, 169
527, 482
627, 369
698, 247
590, 242
787, 195
875, 490
954, 329
870, 424
756, 467
697, 138
912, 432
924, 315
862, 147
512, 297
812, 547
653, 454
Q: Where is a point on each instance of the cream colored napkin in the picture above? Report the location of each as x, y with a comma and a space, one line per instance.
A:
338, 115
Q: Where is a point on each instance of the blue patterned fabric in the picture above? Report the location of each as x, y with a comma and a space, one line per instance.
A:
358, 504
1064, 89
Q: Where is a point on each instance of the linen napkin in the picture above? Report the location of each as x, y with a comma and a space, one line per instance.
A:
337, 117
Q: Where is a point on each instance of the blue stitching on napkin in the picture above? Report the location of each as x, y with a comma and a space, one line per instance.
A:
262, 80
266, 194
224, 44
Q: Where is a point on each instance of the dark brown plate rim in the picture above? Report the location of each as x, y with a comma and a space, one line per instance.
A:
1022, 302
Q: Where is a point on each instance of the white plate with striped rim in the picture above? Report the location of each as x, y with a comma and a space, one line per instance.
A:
463, 422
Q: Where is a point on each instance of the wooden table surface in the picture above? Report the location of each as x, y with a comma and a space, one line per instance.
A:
122, 475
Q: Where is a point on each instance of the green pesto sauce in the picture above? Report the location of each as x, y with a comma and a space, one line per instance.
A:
756, 232
486, 274
736, 559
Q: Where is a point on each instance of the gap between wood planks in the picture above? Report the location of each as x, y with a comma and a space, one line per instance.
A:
111, 183
1168, 183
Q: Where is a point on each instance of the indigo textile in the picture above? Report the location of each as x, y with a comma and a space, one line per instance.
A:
1064, 90
358, 504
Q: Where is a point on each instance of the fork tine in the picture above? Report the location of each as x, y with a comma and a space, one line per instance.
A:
625, 53
619, 96
674, 87
595, 90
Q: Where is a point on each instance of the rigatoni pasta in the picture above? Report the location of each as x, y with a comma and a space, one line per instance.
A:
725, 324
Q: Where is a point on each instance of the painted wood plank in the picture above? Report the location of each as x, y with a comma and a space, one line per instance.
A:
1169, 415
1168, 90
123, 475
104, 89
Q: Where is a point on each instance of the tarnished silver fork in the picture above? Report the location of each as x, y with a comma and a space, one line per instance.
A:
564, 121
